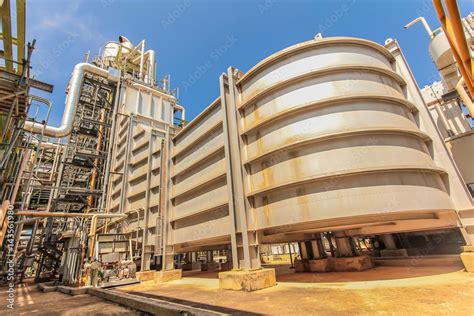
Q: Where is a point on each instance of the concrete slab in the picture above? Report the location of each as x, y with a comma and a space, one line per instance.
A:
30, 300
145, 304
348, 264
332, 293
247, 280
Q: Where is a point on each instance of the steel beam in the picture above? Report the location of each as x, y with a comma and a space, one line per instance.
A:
5, 12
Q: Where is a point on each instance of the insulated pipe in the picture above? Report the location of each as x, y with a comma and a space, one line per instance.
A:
142, 58
425, 24
151, 76
464, 96
48, 145
183, 111
72, 100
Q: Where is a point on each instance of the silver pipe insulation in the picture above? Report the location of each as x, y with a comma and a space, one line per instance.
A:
183, 111
151, 66
72, 100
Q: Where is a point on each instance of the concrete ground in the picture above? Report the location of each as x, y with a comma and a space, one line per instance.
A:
285, 274
383, 290
30, 301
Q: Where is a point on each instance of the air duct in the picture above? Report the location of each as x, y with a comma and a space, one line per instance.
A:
71, 102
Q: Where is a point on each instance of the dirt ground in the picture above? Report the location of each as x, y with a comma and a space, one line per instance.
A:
30, 301
383, 290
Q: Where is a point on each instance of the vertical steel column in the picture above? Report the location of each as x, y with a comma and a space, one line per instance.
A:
245, 254
165, 183
145, 260
343, 245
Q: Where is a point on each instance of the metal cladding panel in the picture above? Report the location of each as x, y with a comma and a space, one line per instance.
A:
379, 194
338, 157
329, 122
316, 56
205, 198
199, 194
321, 88
146, 102
212, 143
198, 231
329, 134
199, 129
211, 169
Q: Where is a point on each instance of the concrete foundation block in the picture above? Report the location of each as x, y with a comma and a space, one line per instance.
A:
319, 265
145, 275
393, 253
301, 265
347, 264
468, 261
72, 290
247, 280
152, 276
168, 275
468, 248
46, 287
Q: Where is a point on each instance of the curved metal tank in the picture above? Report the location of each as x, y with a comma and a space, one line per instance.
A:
331, 140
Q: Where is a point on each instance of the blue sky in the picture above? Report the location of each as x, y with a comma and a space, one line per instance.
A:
197, 40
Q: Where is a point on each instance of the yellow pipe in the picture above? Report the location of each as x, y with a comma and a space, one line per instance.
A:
459, 36
464, 96
60, 214
446, 25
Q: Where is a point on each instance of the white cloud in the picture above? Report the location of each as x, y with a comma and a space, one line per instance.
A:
64, 30
53, 18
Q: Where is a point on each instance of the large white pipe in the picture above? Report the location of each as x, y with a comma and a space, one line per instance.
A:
151, 66
183, 111
72, 100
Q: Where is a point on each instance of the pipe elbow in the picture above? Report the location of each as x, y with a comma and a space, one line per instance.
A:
71, 102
